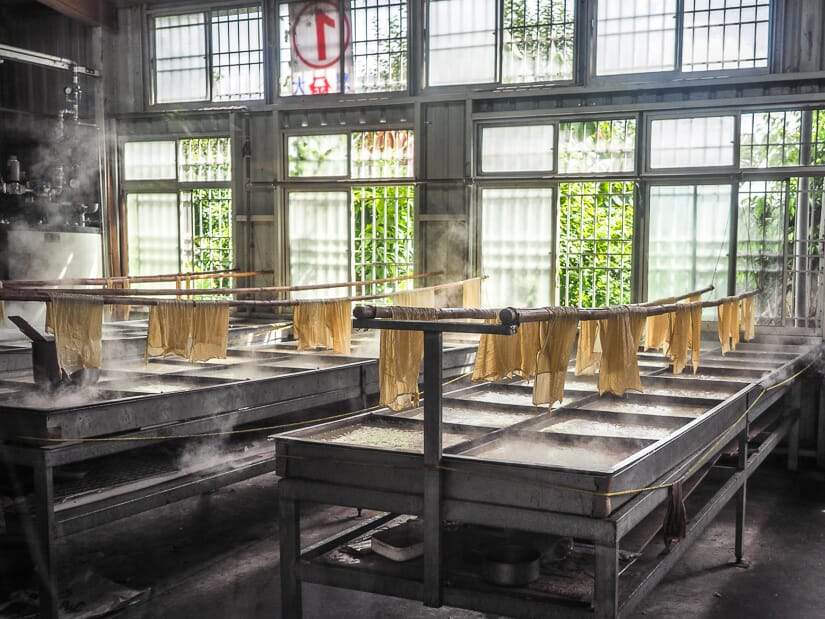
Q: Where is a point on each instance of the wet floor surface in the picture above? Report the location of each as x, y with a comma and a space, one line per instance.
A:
216, 556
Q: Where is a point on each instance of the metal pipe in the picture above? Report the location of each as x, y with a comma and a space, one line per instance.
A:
44, 60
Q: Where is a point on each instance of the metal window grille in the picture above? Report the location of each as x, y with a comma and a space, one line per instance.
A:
211, 211
205, 56
383, 217
237, 54
595, 242
517, 246
186, 222
379, 44
779, 248
685, 142
597, 146
636, 37
725, 34
538, 40
770, 139
818, 137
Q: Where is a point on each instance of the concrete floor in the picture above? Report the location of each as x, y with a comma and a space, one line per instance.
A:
216, 556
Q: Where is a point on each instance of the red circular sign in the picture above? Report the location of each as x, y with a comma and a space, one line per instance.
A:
318, 19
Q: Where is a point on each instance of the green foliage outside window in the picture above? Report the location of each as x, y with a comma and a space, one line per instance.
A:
595, 243
383, 233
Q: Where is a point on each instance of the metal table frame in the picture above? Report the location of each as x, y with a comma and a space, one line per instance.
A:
217, 414
609, 599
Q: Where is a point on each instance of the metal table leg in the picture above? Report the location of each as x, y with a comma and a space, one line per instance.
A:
44, 555
290, 534
606, 586
432, 475
741, 496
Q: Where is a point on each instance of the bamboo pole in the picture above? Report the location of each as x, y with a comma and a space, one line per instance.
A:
455, 313
510, 315
128, 279
137, 292
14, 294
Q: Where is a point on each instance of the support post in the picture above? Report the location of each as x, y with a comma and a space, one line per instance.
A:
44, 553
290, 534
433, 370
606, 586
741, 495
820, 427
793, 446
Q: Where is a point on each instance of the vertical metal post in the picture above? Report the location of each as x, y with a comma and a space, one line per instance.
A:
44, 555
801, 232
290, 533
820, 426
606, 591
433, 341
741, 494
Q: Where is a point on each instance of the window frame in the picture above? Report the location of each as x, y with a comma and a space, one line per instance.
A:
678, 73
579, 25
150, 59
174, 186
274, 74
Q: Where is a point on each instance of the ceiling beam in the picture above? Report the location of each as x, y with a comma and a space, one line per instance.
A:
93, 12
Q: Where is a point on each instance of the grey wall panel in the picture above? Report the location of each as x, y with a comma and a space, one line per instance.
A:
444, 146
444, 248
442, 200
264, 159
803, 36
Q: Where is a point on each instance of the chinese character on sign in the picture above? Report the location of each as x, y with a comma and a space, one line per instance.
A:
319, 85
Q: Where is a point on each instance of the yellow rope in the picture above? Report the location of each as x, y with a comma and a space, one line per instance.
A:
701, 460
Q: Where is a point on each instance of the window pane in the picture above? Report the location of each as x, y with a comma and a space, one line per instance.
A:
317, 155
310, 50
779, 248
635, 36
818, 137
211, 216
538, 40
692, 142
383, 234
148, 160
382, 154
180, 58
526, 148
371, 37
204, 159
770, 139
461, 42
152, 233
689, 239
237, 55
319, 240
516, 246
597, 146
595, 243
379, 40
725, 34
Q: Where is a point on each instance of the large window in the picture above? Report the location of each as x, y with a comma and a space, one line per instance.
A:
364, 231
692, 142
336, 46
595, 243
640, 36
689, 240
535, 39
179, 207
517, 246
208, 56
